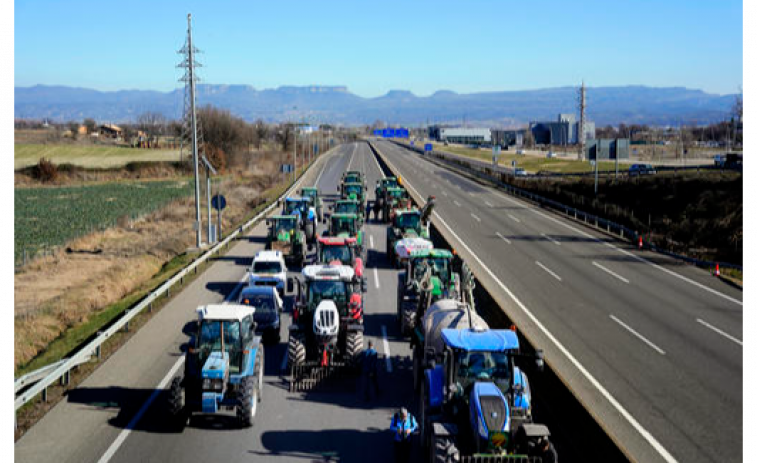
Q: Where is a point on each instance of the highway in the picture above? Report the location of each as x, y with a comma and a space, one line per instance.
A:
118, 414
651, 347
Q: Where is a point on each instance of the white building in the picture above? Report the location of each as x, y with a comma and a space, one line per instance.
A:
465, 135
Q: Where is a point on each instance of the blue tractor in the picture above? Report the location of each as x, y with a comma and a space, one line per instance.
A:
223, 371
302, 207
476, 403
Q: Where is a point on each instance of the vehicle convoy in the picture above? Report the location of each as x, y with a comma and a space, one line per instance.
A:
475, 400
380, 191
285, 236
268, 269
313, 196
327, 321
428, 276
393, 199
408, 223
340, 251
349, 206
268, 308
223, 371
308, 219
345, 226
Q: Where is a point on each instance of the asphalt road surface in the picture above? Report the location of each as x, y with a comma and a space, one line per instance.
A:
651, 347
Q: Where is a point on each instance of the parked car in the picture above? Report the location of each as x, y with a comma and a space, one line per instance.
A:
551, 155
641, 169
268, 307
520, 152
520, 172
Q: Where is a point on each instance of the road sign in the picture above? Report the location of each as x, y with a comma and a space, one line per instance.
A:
495, 154
218, 202
287, 168
428, 147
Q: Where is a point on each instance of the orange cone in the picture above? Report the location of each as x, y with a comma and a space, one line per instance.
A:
641, 243
717, 269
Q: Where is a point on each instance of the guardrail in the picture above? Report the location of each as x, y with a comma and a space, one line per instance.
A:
623, 232
46, 376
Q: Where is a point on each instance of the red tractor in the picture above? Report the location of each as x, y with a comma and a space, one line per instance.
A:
340, 251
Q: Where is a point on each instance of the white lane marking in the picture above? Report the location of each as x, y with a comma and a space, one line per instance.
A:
630, 254
550, 239
444, 193
475, 216
375, 277
720, 332
375, 159
501, 236
352, 154
636, 333
514, 218
371, 237
387, 354
544, 267
320, 173
456, 203
624, 280
589, 377
488, 204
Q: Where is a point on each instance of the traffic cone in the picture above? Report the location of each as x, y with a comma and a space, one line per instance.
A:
641, 243
717, 269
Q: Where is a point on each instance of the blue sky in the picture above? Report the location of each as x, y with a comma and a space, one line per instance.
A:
373, 47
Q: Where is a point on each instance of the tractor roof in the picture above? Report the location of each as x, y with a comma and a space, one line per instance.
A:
309, 188
433, 253
336, 241
353, 184
395, 188
481, 340
344, 215
347, 201
407, 211
328, 272
283, 217
353, 172
234, 312
294, 199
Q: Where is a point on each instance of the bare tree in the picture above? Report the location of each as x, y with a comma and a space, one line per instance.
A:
152, 124
90, 124
261, 130
285, 136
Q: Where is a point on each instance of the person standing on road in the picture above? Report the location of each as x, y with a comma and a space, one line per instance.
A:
370, 371
547, 451
403, 426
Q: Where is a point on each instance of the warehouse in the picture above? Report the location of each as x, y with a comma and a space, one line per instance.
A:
464, 136
562, 132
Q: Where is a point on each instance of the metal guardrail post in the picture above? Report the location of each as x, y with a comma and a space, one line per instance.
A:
126, 314
98, 349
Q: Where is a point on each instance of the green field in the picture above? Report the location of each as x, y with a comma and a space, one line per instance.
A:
87, 155
53, 216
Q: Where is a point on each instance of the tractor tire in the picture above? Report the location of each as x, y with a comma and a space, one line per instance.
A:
176, 398
296, 350
248, 401
309, 232
353, 347
259, 370
443, 449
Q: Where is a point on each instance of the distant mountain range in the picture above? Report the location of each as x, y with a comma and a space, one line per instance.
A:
605, 105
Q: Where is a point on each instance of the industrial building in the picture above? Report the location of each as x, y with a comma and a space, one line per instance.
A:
506, 138
562, 132
461, 135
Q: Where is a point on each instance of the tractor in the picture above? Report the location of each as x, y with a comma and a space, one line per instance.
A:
345, 226
349, 206
475, 400
381, 186
312, 195
430, 275
327, 321
283, 235
394, 198
354, 190
340, 251
308, 219
223, 371
408, 223
353, 176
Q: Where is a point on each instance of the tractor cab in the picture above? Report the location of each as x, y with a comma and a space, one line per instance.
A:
346, 226
352, 176
349, 206
282, 224
353, 190
302, 208
340, 251
285, 236
314, 200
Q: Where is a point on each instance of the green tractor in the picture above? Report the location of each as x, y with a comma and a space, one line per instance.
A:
380, 191
353, 176
312, 195
429, 275
349, 206
284, 235
408, 223
394, 198
355, 191
346, 226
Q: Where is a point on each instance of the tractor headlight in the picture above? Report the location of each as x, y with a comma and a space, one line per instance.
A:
212, 384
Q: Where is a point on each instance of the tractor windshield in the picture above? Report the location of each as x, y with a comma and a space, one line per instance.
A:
353, 189
410, 220
285, 225
347, 208
211, 333
293, 207
352, 178
342, 225
339, 252
389, 183
266, 267
334, 290
439, 267
397, 194
483, 366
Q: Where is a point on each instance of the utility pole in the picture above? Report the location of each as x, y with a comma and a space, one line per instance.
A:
190, 113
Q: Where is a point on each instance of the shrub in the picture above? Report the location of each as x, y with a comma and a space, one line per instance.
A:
46, 171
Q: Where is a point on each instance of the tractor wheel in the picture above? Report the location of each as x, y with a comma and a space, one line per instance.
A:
248, 401
309, 232
354, 347
259, 370
409, 319
176, 398
443, 449
296, 350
